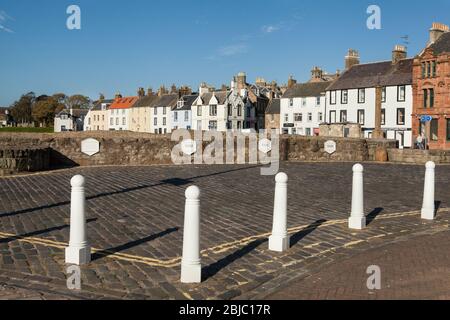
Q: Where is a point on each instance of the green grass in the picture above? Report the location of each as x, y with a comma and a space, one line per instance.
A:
34, 130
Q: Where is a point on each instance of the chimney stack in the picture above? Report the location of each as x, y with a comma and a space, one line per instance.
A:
261, 82
291, 82
141, 92
203, 88
102, 97
399, 53
316, 74
150, 92
118, 96
185, 91
437, 30
351, 59
241, 80
162, 91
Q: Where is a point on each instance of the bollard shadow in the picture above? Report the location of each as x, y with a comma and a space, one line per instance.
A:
105, 253
213, 269
173, 181
437, 206
296, 238
39, 232
373, 215
177, 182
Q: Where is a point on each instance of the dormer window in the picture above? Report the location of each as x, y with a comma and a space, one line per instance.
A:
180, 104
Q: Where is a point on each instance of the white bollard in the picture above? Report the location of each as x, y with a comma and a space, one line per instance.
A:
79, 250
429, 207
279, 240
357, 218
191, 268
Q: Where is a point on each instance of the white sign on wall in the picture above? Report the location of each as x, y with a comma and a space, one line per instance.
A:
189, 147
265, 145
90, 147
330, 147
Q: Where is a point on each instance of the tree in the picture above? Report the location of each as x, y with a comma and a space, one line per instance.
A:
44, 110
21, 110
77, 101
60, 97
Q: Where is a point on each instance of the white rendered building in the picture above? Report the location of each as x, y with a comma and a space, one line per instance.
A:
352, 98
302, 108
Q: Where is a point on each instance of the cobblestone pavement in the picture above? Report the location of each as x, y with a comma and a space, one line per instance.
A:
416, 268
135, 219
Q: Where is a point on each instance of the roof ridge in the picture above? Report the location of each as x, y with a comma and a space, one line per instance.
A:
381, 61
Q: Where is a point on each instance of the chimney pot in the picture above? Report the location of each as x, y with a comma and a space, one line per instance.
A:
351, 59
399, 53
437, 30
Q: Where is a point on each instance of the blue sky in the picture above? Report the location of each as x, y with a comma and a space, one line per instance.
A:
127, 44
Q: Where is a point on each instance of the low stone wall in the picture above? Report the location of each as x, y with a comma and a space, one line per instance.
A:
298, 148
116, 148
127, 148
15, 160
419, 156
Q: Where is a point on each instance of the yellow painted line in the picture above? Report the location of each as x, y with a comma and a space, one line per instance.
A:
108, 254
353, 243
227, 246
187, 295
214, 250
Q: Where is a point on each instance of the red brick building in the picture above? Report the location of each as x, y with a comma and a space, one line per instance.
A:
431, 89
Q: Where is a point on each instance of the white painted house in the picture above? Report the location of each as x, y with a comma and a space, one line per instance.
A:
234, 109
161, 111
209, 110
70, 120
119, 113
352, 98
302, 108
182, 113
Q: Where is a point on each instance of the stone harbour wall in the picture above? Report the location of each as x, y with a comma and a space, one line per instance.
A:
15, 160
419, 156
297, 148
116, 148
127, 148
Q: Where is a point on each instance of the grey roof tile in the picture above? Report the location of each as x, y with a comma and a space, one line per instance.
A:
274, 107
375, 74
442, 44
310, 89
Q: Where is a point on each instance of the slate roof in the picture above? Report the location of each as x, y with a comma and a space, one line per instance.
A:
146, 101
168, 100
310, 89
220, 95
274, 107
98, 104
77, 113
442, 44
188, 101
375, 74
